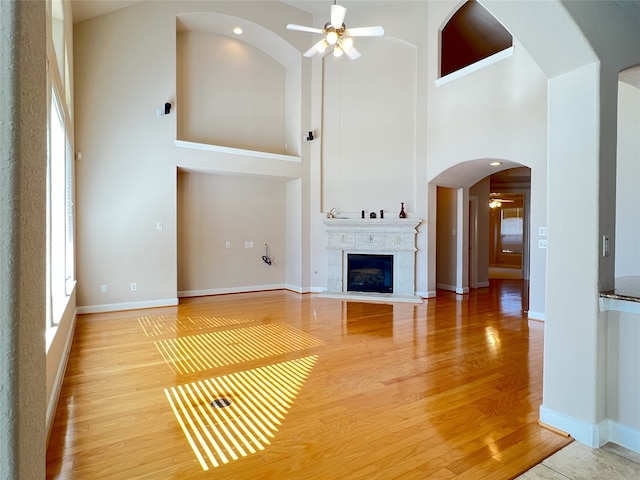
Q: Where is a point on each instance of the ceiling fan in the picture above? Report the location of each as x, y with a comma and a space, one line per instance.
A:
497, 199
337, 36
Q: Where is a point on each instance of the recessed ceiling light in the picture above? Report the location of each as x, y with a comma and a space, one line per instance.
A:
495, 164
237, 31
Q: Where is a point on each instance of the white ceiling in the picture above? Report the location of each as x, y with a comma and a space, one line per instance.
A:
87, 9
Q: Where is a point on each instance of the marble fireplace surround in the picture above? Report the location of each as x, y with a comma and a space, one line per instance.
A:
382, 236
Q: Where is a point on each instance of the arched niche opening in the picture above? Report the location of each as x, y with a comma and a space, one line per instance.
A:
238, 91
470, 35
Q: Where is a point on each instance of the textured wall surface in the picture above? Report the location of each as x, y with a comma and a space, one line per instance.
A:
22, 239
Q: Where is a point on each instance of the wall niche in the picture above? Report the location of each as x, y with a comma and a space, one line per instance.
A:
230, 93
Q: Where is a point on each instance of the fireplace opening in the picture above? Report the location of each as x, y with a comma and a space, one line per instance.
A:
370, 273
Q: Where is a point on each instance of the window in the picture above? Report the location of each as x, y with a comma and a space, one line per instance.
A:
60, 263
511, 225
60, 274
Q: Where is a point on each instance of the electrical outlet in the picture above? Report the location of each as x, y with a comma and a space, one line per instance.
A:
159, 226
134, 287
227, 245
103, 288
542, 244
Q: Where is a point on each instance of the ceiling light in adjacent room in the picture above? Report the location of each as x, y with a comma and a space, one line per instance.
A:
237, 31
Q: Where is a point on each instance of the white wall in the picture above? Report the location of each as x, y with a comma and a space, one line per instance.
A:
127, 177
216, 209
369, 152
126, 180
627, 243
486, 109
229, 93
446, 246
23, 163
623, 379
481, 190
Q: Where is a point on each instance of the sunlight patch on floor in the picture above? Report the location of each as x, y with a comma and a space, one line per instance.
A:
258, 400
205, 351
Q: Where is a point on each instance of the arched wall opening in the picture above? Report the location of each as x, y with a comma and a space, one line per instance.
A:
460, 224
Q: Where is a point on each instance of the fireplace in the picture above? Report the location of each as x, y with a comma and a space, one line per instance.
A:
369, 273
371, 259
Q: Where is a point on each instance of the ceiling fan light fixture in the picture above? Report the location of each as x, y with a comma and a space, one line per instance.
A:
332, 37
322, 46
337, 35
346, 43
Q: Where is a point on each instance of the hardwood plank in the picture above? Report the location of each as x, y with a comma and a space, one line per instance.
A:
449, 388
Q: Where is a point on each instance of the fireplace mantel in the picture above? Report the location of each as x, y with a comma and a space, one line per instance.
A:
393, 236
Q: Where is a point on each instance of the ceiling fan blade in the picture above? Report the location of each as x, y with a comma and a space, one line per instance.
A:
317, 48
337, 15
377, 31
302, 28
352, 53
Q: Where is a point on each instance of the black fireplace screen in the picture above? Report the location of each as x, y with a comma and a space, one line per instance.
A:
370, 273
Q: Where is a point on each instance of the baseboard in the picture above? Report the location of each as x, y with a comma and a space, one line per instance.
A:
223, 291
462, 290
593, 435
623, 435
582, 431
52, 401
115, 307
535, 315
483, 284
444, 286
431, 294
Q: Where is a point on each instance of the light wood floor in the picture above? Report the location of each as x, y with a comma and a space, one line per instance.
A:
318, 389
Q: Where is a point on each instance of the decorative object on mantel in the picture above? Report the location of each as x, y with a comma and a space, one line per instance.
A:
337, 38
403, 214
362, 213
332, 213
372, 215
381, 213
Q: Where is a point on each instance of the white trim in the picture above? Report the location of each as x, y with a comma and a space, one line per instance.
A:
236, 151
443, 286
618, 305
535, 315
372, 297
54, 396
474, 67
623, 435
224, 291
115, 307
462, 291
582, 431
483, 284
431, 294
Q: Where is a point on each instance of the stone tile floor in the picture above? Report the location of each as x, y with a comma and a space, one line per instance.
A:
579, 462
